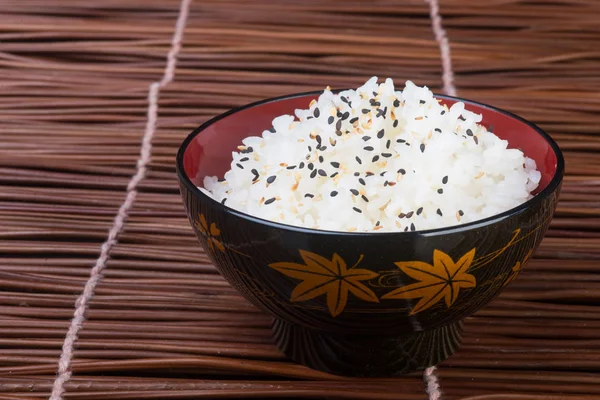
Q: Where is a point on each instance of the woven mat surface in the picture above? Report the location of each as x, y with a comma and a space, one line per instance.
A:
163, 324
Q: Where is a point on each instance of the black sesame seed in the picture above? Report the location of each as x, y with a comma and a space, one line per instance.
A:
366, 138
311, 166
388, 144
406, 229
345, 116
381, 113
318, 147
309, 117
445, 179
358, 160
240, 166
357, 174
313, 174
395, 124
439, 212
338, 114
322, 172
333, 193
224, 200
422, 147
443, 112
365, 110
419, 210
368, 148
338, 125
321, 159
409, 214
386, 155
223, 179
396, 103
244, 159
317, 112
272, 130
309, 195
400, 141
318, 139
330, 120
271, 179
323, 148
291, 167
461, 118
401, 215
469, 132
334, 174
412, 227
309, 148
342, 98
254, 171
407, 144
378, 223
301, 165
422, 101
353, 120
335, 164
354, 192
475, 140
385, 183
402, 171
362, 181
375, 94
375, 159
461, 213
438, 130
271, 200
358, 210
383, 173
364, 198
380, 133
338, 132
440, 190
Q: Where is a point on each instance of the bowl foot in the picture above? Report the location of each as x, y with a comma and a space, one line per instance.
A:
367, 355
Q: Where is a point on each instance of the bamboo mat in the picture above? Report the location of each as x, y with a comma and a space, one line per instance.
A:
163, 324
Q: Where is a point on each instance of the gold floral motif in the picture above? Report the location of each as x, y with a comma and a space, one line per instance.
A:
516, 269
212, 233
320, 275
443, 279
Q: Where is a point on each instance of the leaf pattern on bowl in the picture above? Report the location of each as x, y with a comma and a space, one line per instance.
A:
443, 279
212, 233
321, 276
516, 269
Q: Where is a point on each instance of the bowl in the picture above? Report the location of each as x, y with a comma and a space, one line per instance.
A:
364, 304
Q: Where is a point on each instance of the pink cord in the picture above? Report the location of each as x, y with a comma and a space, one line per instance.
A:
433, 386
82, 303
442, 39
429, 375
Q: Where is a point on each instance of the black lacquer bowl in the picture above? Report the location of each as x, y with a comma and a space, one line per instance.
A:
364, 304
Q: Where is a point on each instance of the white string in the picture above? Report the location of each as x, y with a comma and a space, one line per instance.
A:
82, 303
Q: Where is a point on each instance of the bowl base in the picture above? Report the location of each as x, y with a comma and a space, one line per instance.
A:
366, 355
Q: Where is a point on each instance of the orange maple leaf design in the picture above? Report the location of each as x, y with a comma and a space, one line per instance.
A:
212, 233
516, 269
443, 279
320, 276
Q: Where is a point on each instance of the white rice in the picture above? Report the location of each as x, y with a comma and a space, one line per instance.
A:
435, 167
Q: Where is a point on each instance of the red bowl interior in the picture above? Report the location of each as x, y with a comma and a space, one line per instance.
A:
209, 153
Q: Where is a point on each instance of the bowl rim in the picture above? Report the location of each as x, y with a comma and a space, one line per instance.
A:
550, 188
